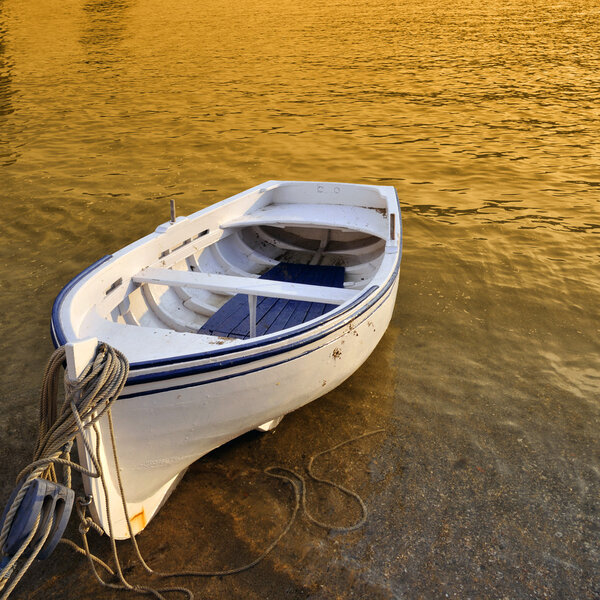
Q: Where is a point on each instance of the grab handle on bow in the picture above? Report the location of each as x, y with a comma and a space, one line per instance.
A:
79, 355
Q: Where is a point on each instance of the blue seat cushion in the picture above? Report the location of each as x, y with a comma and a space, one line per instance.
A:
274, 314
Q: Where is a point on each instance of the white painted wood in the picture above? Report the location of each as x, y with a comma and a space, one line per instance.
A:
354, 218
279, 242
173, 318
227, 265
256, 259
225, 407
202, 308
269, 425
244, 285
252, 314
79, 355
190, 248
319, 192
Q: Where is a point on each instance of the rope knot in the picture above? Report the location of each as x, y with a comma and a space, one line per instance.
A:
85, 525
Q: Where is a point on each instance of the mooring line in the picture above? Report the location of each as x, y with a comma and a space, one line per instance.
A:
295, 480
86, 399
298, 484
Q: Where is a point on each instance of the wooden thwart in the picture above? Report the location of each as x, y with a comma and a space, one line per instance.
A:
328, 216
228, 284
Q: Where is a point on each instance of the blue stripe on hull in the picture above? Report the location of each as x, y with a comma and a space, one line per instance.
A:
236, 361
165, 376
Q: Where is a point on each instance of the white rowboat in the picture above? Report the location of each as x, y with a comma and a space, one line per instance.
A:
231, 318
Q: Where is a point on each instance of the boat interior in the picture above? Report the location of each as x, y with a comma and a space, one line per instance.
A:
272, 258
258, 279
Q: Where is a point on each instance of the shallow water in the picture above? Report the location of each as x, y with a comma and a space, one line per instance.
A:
485, 117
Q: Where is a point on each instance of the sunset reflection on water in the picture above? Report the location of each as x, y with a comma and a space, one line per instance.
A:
486, 119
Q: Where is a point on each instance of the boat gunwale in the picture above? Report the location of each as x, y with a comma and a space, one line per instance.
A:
249, 358
251, 344
56, 330
188, 372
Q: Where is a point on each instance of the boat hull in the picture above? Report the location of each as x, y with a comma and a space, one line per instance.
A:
171, 415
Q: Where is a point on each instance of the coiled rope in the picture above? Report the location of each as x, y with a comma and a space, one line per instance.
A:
86, 401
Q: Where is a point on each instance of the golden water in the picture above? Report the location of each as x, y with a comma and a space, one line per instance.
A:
485, 117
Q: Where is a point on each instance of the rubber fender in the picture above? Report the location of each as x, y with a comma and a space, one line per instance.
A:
49, 500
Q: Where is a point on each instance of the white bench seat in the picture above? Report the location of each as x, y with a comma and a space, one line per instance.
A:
228, 284
331, 216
